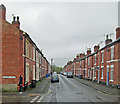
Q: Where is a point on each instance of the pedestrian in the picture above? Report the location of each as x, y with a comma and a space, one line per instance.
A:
20, 84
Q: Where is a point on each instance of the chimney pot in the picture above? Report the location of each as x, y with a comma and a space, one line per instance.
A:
117, 33
88, 51
96, 48
107, 41
17, 18
14, 18
107, 37
2, 12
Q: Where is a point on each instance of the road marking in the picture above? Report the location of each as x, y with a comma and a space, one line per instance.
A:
40, 99
34, 99
31, 101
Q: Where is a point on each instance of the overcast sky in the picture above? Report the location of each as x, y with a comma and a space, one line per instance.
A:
63, 29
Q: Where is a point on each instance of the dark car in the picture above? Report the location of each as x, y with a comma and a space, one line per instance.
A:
69, 74
54, 78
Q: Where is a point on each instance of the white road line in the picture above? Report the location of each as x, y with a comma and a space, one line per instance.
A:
31, 101
40, 99
34, 99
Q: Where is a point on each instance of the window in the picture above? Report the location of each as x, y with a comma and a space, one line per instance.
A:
40, 58
88, 61
111, 72
30, 52
80, 64
27, 49
27, 72
102, 55
95, 58
112, 52
85, 72
95, 74
88, 72
33, 53
102, 71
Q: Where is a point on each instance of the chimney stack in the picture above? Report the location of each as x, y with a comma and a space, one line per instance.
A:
82, 55
117, 33
16, 22
88, 51
107, 41
77, 56
74, 59
2, 12
96, 48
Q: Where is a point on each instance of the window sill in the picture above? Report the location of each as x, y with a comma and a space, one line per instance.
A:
101, 78
101, 62
111, 80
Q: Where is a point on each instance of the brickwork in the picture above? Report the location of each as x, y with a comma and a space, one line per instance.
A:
103, 65
20, 55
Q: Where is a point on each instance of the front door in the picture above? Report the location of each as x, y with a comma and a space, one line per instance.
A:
107, 81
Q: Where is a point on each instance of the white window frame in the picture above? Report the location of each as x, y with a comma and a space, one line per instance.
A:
88, 61
27, 72
102, 56
95, 58
112, 52
95, 74
88, 72
111, 73
102, 72
33, 53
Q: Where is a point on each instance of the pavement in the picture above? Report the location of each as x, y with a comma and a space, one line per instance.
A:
100, 87
30, 93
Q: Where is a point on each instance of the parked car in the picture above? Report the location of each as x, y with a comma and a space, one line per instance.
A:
65, 73
54, 78
54, 72
61, 73
69, 74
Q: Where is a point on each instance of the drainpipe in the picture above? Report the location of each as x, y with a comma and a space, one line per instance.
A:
74, 68
24, 58
99, 69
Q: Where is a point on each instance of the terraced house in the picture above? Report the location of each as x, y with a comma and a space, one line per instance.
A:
103, 65
20, 55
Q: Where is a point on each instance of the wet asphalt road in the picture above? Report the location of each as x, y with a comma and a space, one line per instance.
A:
70, 90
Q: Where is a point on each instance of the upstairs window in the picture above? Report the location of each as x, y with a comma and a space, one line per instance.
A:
88, 61
102, 71
33, 53
102, 55
95, 59
112, 52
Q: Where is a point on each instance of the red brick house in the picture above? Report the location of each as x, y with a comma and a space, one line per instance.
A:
20, 55
103, 65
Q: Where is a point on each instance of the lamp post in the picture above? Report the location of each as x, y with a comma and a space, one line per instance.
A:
51, 66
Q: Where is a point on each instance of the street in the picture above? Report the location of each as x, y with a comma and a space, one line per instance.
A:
66, 90
70, 90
